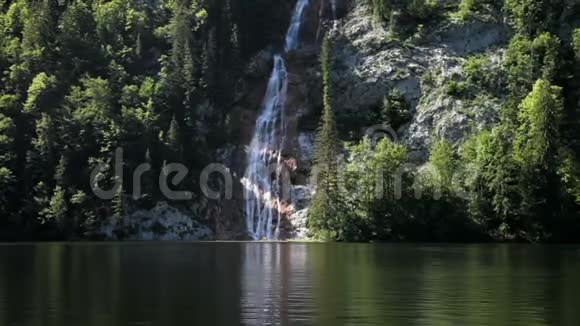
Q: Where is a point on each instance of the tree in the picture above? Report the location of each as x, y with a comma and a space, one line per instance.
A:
38, 35
45, 144
60, 175
537, 137
466, 9
57, 208
443, 159
576, 43
491, 180
395, 111
326, 203
528, 16
7, 130
373, 178
40, 94
78, 33
174, 138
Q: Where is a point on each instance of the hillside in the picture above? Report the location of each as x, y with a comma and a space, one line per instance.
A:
424, 120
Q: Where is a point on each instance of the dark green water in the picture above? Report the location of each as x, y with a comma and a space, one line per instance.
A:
288, 284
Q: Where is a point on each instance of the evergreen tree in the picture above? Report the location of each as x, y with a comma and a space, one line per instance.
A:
537, 138
38, 33
174, 138
326, 203
528, 16
60, 175
57, 209
576, 43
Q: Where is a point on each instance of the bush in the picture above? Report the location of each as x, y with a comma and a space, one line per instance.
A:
395, 110
455, 88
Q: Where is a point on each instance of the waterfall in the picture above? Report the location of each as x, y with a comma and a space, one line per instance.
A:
333, 5
295, 22
261, 191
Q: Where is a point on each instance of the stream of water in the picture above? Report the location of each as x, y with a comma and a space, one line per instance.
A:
263, 172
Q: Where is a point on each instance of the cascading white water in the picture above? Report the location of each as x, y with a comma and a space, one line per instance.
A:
295, 23
261, 191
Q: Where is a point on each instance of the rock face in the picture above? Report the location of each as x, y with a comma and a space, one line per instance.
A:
162, 222
368, 62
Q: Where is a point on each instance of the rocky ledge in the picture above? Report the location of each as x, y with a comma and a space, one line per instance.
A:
163, 222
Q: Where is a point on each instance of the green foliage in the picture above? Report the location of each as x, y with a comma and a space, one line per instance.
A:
456, 88
576, 43
83, 77
381, 10
326, 209
491, 180
569, 173
466, 9
7, 131
372, 182
56, 211
442, 157
537, 137
527, 60
422, 9
413, 10
395, 111
528, 16
40, 93
482, 74
173, 137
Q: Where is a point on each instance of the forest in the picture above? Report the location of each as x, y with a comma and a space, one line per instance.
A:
81, 78
519, 181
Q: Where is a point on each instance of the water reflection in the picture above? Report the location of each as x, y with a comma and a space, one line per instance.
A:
287, 284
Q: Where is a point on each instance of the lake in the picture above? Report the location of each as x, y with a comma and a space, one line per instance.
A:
167, 284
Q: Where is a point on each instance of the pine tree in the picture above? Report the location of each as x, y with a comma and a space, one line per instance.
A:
38, 35
57, 208
173, 136
326, 203
576, 43
60, 173
529, 16
537, 138
536, 148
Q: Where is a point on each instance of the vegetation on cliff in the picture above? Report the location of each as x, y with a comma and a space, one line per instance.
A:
516, 181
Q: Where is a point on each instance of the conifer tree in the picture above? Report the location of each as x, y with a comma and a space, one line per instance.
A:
325, 206
57, 208
173, 135
60, 173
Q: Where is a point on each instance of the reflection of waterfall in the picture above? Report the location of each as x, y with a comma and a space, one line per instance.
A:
276, 285
262, 192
